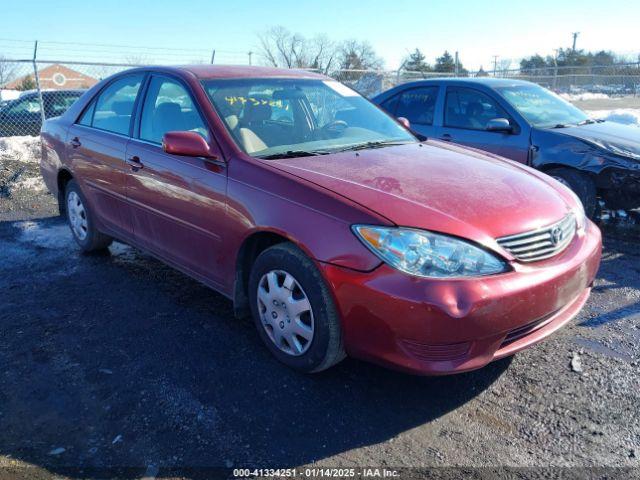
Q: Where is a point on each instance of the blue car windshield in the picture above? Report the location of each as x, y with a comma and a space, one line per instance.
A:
268, 117
540, 107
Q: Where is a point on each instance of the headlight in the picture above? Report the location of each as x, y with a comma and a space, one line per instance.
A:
578, 210
581, 217
426, 254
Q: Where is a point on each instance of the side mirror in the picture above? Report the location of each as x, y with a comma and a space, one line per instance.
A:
499, 125
404, 121
188, 144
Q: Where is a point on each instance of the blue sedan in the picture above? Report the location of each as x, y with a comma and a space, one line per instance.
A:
527, 123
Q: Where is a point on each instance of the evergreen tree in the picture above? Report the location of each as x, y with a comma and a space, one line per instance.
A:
415, 62
445, 63
27, 83
534, 65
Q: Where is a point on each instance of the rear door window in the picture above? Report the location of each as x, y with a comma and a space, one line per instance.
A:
114, 106
418, 105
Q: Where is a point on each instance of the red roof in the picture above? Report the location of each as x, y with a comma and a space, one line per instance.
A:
231, 71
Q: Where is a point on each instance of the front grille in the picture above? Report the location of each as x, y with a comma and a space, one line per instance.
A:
524, 330
542, 243
436, 352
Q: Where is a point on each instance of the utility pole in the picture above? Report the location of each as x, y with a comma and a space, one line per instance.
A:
495, 64
575, 37
36, 77
555, 70
457, 64
250, 53
213, 56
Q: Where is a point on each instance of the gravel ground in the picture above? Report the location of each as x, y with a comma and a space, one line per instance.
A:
22, 191
116, 360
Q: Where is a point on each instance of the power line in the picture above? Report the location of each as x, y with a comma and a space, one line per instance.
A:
99, 46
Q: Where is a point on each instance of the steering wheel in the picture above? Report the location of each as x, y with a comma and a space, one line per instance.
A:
333, 129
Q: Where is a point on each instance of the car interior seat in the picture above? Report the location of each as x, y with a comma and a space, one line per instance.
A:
474, 115
253, 128
167, 117
116, 120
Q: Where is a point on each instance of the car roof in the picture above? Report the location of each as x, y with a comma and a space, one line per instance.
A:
486, 81
239, 71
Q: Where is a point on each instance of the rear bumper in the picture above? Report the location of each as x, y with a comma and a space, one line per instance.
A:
435, 327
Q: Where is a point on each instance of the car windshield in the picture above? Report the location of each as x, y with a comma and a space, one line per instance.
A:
541, 107
274, 118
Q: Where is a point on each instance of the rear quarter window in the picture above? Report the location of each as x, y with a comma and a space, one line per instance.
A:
113, 109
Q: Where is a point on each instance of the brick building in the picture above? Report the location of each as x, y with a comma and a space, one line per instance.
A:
56, 77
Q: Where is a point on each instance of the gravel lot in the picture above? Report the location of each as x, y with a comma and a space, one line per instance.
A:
116, 360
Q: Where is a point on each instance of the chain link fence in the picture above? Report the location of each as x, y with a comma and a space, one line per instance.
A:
611, 80
32, 91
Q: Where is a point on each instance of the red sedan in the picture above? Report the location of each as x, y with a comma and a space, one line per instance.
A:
323, 217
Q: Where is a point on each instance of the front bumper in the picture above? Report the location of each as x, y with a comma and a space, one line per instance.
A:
620, 188
435, 327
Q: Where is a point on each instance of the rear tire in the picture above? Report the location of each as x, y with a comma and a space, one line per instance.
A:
581, 184
284, 282
81, 220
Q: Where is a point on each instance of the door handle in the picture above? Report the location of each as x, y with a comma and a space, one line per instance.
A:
75, 142
135, 163
446, 137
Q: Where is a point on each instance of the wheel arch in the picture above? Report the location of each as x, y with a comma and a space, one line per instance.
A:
63, 177
545, 167
251, 247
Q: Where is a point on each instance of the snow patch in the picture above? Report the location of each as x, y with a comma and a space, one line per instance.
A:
6, 95
34, 184
626, 116
51, 236
579, 97
24, 149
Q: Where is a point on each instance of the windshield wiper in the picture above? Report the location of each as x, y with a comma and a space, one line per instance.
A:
560, 125
368, 145
588, 121
292, 154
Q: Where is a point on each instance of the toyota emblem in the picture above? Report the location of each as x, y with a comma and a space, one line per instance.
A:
556, 235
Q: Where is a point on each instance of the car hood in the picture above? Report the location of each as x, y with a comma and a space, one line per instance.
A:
439, 187
616, 138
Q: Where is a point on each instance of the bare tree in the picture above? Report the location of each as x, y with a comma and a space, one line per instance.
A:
357, 55
7, 69
504, 65
136, 59
322, 53
279, 47
267, 49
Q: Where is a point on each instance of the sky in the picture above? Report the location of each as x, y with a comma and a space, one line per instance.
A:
188, 30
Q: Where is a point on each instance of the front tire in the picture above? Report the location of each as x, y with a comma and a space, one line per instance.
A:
81, 220
581, 184
293, 310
